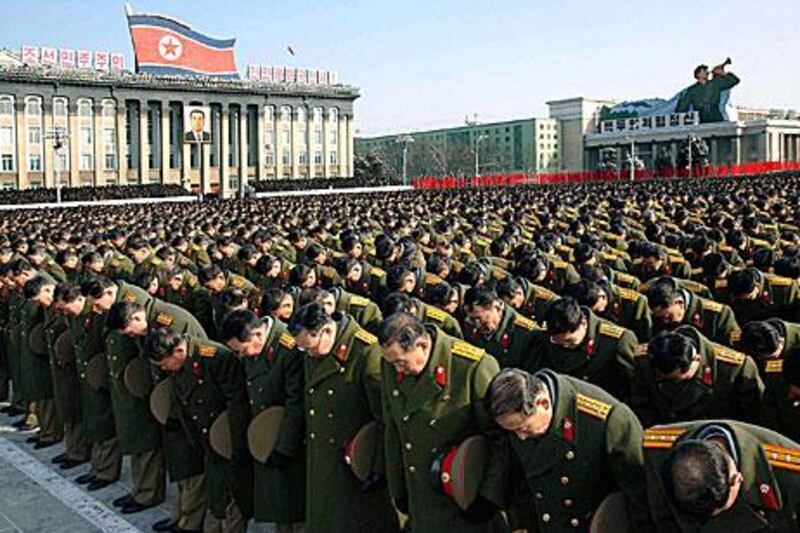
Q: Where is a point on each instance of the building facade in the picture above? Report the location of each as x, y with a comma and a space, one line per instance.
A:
526, 145
126, 128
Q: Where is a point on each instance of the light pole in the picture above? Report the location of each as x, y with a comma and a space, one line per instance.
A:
59, 137
405, 139
632, 169
478, 140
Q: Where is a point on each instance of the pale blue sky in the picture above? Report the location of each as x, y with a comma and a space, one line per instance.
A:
423, 64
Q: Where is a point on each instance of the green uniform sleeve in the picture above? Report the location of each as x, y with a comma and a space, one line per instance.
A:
626, 460
392, 456
749, 390
290, 439
727, 325
229, 376
726, 81
371, 381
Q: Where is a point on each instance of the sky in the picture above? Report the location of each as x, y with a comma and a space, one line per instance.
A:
428, 64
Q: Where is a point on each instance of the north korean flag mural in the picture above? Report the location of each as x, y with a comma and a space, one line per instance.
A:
163, 45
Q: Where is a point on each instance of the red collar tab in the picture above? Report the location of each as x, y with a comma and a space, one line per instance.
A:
440, 376
708, 379
568, 429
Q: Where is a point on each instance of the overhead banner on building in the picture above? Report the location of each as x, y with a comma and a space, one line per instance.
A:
163, 45
67, 58
292, 75
709, 97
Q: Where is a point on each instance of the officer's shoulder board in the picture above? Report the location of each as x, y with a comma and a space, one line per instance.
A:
524, 322
544, 294
432, 279
611, 330
726, 355
560, 264
774, 366
467, 351
287, 341
377, 272
628, 294
693, 286
129, 297
115, 262
359, 301
165, 319
328, 272
592, 406
711, 305
721, 284
782, 457
192, 281
156, 261
676, 259
436, 314
207, 351
778, 281
736, 336
725, 248
237, 281
627, 278
662, 436
366, 337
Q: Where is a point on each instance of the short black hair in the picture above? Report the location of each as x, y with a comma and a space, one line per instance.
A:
696, 476
563, 316
395, 275
299, 274
670, 351
397, 302
401, 328
586, 292
120, 313
664, 292
512, 390
271, 300
698, 69
743, 282
34, 285
310, 317
208, 273
506, 287
94, 286
759, 338
791, 366
481, 296
67, 292
239, 325
788, 266
161, 342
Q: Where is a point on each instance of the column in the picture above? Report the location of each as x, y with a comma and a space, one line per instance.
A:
243, 147
350, 145
737, 150
797, 147
74, 145
205, 162
326, 166
186, 155
165, 142
22, 144
342, 145
295, 144
122, 144
97, 141
311, 145
144, 163
714, 155
224, 168
278, 143
48, 164
261, 155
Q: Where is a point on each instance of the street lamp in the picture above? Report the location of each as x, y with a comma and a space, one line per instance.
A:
632, 169
59, 136
478, 140
405, 139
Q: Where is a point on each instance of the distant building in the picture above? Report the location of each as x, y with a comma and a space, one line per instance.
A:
525, 145
127, 128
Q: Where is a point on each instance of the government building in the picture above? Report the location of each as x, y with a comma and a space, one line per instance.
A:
127, 128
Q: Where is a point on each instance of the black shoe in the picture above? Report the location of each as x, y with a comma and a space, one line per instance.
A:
59, 459
6, 409
135, 507
14, 411
122, 501
72, 463
45, 444
85, 479
98, 484
18, 424
168, 524
32, 440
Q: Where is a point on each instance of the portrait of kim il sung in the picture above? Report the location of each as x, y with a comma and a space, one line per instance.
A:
196, 125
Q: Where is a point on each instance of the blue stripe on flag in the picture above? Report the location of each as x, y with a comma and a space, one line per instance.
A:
162, 22
178, 71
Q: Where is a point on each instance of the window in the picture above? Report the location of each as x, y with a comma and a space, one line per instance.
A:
317, 136
269, 114
303, 156
334, 158
34, 135
6, 105
59, 107
301, 116
6, 135
318, 157
7, 162
270, 159
35, 163
86, 135
287, 137
286, 157
85, 108
86, 162
33, 106
109, 110
111, 161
